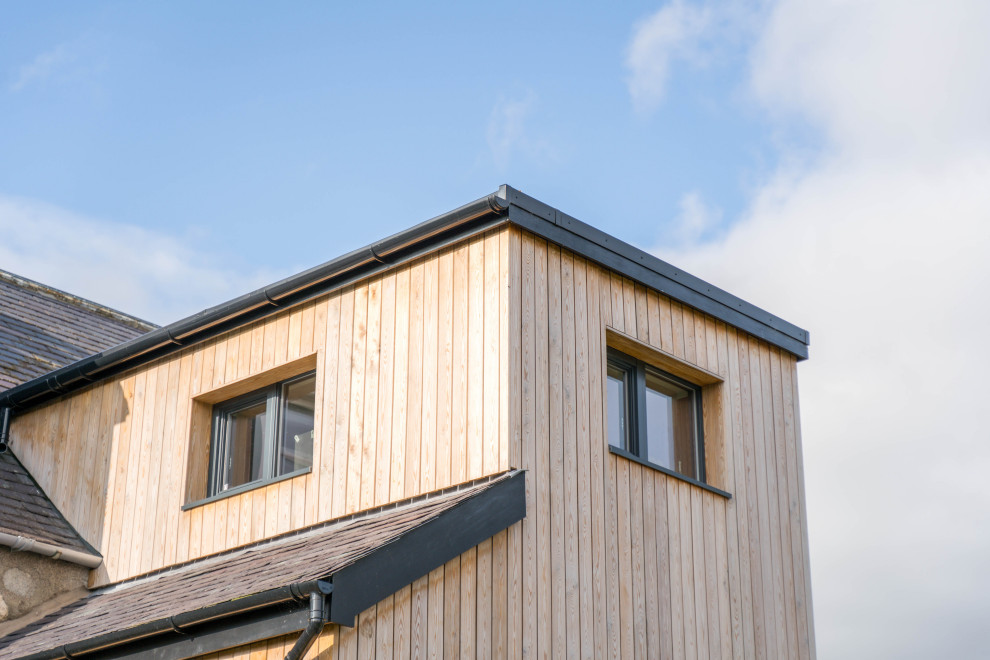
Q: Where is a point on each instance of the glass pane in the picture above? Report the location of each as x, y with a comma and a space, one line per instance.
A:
245, 445
670, 425
617, 407
299, 400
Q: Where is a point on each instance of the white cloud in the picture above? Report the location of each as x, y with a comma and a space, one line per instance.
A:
882, 250
146, 273
43, 66
673, 32
508, 132
695, 221
884, 77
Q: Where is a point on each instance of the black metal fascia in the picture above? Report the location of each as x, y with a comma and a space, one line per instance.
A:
427, 547
506, 205
349, 590
426, 237
594, 244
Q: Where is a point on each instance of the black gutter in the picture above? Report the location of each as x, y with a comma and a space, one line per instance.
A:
349, 590
471, 218
283, 600
508, 205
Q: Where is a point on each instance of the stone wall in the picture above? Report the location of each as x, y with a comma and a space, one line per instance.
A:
28, 581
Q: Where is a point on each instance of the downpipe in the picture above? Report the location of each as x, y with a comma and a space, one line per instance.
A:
317, 620
4, 428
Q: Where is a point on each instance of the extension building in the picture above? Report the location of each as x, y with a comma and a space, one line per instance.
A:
499, 433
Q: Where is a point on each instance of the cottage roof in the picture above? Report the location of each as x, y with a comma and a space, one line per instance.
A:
26, 512
357, 560
42, 329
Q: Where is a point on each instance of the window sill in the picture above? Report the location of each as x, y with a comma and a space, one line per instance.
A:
245, 488
670, 473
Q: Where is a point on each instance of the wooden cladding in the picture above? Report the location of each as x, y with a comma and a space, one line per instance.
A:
408, 400
484, 356
620, 560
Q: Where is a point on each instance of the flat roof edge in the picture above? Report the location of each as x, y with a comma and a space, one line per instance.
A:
505, 205
594, 244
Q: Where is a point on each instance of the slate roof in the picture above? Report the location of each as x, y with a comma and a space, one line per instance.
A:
41, 329
26, 511
315, 553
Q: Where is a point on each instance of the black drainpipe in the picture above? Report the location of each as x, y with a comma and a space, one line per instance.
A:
317, 619
4, 428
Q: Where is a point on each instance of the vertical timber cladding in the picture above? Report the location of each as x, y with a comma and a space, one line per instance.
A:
617, 559
410, 369
483, 356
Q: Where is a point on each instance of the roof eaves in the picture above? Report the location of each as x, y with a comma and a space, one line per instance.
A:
426, 237
499, 502
505, 205
592, 243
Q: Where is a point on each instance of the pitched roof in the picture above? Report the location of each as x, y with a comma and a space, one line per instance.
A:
366, 557
28, 513
41, 329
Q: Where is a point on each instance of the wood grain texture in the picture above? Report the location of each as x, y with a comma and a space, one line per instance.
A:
485, 355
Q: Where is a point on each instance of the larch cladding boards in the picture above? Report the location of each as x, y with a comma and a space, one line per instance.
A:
409, 367
487, 355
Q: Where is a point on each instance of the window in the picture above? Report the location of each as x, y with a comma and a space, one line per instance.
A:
655, 416
263, 435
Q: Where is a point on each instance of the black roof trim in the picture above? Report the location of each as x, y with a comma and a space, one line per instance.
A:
506, 205
594, 244
350, 589
370, 579
470, 219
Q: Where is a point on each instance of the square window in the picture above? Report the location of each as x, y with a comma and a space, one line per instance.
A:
654, 415
263, 435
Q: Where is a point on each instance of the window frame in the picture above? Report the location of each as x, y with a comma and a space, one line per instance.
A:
274, 438
635, 407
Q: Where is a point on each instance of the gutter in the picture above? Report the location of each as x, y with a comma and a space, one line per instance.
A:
23, 544
186, 624
265, 301
338, 597
506, 206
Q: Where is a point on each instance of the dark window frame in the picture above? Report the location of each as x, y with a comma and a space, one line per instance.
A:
274, 437
635, 406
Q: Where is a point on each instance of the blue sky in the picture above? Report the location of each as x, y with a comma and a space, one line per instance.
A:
826, 161
285, 138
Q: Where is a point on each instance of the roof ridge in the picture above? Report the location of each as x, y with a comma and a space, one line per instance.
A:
77, 301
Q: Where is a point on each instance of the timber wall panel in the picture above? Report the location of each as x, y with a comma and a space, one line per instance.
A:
619, 560
410, 366
486, 355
